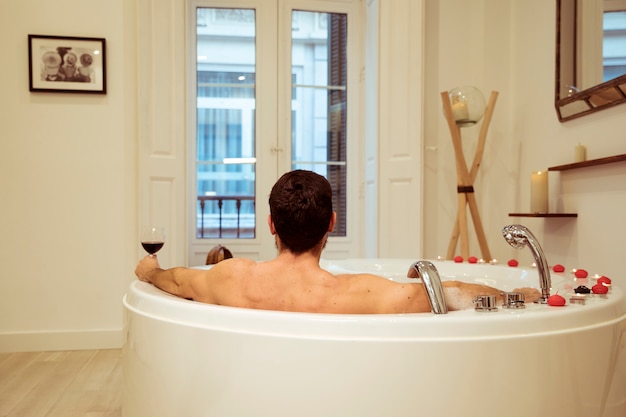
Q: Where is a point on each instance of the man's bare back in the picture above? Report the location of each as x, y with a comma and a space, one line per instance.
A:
298, 283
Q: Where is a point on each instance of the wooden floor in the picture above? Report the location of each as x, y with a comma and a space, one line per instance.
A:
86, 383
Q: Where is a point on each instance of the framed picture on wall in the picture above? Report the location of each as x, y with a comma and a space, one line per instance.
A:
65, 64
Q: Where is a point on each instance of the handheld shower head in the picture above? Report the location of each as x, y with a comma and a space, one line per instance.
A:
516, 235
519, 236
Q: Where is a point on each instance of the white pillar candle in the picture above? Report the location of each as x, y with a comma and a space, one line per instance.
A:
539, 192
460, 111
580, 153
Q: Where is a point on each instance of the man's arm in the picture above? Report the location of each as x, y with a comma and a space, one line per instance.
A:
461, 295
176, 281
374, 294
412, 298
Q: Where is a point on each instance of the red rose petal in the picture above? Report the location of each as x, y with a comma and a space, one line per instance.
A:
581, 273
472, 259
556, 300
458, 259
512, 262
600, 289
558, 268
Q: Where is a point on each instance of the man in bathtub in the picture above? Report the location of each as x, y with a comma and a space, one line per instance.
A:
301, 217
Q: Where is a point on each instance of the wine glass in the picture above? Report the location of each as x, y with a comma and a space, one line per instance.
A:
152, 239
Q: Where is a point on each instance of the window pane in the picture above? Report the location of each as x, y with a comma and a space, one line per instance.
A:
319, 101
225, 144
614, 44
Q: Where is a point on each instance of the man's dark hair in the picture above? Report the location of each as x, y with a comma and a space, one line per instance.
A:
301, 207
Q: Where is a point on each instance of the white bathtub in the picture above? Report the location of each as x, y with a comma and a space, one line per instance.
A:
184, 358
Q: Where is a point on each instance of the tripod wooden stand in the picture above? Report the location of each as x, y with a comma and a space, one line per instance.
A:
465, 181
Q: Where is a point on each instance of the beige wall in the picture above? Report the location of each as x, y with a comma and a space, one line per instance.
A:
68, 175
508, 46
68, 165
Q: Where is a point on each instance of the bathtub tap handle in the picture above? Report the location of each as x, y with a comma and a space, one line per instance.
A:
432, 283
513, 300
485, 303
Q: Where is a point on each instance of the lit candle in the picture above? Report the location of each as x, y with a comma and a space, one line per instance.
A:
460, 111
539, 192
580, 153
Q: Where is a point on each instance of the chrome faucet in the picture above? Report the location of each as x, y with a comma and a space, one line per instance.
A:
519, 236
430, 277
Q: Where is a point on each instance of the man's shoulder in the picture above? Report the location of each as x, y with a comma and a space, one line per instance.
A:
234, 265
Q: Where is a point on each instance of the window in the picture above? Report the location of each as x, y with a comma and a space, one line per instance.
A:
225, 142
319, 101
614, 40
230, 147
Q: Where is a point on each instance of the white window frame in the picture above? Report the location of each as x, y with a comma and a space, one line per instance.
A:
274, 142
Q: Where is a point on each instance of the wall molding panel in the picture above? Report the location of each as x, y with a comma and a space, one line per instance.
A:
400, 92
161, 126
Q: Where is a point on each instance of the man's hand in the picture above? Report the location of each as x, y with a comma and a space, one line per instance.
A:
146, 268
530, 294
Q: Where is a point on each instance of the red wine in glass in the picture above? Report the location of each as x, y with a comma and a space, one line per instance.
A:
152, 239
152, 247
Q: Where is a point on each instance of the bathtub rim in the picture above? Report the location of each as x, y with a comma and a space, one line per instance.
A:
145, 300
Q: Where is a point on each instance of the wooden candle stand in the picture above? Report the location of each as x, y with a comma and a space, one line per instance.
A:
465, 179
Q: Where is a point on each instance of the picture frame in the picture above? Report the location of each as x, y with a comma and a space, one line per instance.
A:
66, 64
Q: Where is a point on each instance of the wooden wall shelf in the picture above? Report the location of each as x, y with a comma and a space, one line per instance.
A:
589, 163
575, 165
543, 214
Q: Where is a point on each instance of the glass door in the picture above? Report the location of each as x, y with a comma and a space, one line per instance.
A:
245, 134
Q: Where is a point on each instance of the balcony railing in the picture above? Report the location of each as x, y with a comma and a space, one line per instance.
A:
241, 226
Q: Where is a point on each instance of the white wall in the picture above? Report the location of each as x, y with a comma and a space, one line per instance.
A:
595, 240
68, 169
508, 46
68, 181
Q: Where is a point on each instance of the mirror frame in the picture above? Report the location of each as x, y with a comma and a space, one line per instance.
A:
584, 102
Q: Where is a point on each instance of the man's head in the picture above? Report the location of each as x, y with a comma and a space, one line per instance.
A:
301, 208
